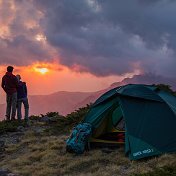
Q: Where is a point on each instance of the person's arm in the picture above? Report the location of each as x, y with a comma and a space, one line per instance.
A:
16, 82
25, 88
3, 84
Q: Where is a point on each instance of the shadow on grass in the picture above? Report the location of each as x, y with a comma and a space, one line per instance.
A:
164, 171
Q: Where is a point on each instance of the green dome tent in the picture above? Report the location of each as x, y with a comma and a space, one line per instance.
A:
145, 114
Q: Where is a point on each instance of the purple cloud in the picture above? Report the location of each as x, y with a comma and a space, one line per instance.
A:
103, 37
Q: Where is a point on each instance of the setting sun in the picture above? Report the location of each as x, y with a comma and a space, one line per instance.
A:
42, 70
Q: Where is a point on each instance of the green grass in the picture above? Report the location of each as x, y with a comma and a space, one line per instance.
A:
10, 126
40, 155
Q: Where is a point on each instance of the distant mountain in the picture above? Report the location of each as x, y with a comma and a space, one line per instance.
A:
136, 79
62, 102
66, 102
147, 79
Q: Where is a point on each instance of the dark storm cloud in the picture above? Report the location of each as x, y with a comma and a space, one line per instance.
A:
21, 51
18, 46
109, 37
153, 22
103, 37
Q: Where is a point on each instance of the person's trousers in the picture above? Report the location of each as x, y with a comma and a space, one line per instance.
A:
11, 106
23, 101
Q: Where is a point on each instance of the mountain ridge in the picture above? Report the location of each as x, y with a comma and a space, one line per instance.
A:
66, 102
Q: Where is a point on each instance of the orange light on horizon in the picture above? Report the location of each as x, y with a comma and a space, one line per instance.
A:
46, 68
41, 78
41, 70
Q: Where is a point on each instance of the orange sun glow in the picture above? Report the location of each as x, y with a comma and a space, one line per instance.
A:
41, 70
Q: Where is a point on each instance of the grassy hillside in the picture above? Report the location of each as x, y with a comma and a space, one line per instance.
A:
39, 150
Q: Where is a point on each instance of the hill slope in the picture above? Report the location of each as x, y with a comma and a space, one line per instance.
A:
147, 79
66, 102
62, 102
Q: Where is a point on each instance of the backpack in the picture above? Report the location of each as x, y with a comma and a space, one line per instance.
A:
78, 139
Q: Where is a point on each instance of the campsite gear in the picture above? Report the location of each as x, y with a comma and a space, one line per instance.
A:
147, 115
78, 140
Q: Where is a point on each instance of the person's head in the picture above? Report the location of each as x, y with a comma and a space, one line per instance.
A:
10, 69
18, 77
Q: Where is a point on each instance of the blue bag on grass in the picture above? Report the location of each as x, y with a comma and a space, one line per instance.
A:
78, 139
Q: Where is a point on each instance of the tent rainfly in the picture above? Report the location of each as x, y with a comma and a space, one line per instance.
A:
145, 115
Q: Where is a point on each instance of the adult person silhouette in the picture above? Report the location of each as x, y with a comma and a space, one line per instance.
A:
22, 99
9, 84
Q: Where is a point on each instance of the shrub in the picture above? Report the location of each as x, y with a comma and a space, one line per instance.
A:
10, 126
64, 124
166, 88
78, 115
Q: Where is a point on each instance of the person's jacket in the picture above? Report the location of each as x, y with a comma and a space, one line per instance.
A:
9, 83
21, 90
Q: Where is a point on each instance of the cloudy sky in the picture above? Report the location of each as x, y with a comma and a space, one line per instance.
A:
84, 45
